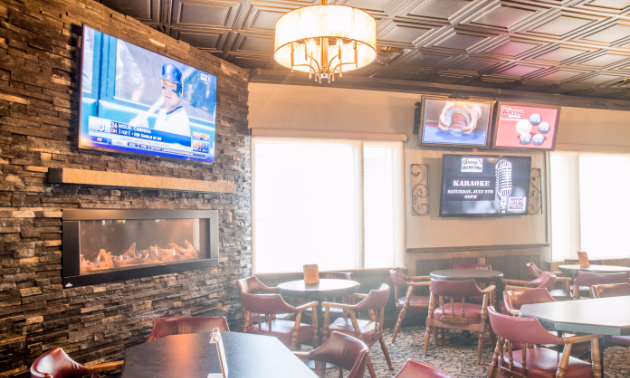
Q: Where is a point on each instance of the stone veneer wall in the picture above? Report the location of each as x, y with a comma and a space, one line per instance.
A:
39, 100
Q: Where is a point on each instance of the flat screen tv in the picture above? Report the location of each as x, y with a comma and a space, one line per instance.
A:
455, 123
136, 101
526, 127
484, 185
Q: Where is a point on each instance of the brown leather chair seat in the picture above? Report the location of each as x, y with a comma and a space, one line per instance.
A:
543, 363
472, 312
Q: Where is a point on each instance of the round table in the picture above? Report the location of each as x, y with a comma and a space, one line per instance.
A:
573, 269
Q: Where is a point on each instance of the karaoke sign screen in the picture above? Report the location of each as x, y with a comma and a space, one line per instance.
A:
526, 127
484, 185
134, 100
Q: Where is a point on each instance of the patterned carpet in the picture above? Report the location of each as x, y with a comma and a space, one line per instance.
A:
460, 360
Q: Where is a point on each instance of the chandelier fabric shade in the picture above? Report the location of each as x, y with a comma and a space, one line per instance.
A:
325, 40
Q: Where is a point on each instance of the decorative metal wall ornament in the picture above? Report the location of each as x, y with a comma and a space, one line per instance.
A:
535, 194
419, 189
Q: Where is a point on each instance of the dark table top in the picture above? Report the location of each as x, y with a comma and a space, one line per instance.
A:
604, 316
594, 269
248, 356
465, 274
326, 288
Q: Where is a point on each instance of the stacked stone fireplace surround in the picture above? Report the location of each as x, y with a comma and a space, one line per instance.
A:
39, 102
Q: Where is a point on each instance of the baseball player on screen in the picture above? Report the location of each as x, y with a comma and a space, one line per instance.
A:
172, 118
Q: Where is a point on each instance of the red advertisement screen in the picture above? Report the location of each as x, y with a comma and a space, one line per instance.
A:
526, 127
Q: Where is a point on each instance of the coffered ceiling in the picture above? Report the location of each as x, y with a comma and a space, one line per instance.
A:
576, 47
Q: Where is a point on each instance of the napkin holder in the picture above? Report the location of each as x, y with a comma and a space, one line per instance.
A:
311, 274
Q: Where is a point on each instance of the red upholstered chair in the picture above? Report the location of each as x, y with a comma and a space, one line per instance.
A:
409, 302
545, 280
369, 331
587, 279
290, 332
457, 315
533, 272
345, 351
476, 300
55, 363
183, 325
252, 285
536, 362
415, 369
613, 290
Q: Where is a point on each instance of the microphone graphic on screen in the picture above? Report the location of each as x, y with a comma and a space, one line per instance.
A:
504, 183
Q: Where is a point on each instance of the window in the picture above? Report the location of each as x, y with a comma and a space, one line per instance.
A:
588, 209
335, 203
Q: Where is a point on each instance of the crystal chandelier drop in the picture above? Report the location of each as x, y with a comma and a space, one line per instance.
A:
325, 40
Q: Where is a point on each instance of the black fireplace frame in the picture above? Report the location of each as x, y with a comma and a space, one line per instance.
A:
71, 248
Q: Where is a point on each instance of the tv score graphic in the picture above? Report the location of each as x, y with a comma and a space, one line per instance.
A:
526, 127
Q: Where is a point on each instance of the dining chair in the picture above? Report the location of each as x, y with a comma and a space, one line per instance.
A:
163, 327
588, 279
369, 331
55, 363
536, 362
416, 369
545, 280
613, 290
290, 332
308, 313
533, 272
252, 285
478, 299
345, 351
409, 302
457, 315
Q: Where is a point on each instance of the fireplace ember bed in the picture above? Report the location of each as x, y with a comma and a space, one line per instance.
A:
112, 245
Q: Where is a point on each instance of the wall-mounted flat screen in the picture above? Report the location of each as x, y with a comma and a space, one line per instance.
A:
484, 185
136, 101
456, 123
528, 127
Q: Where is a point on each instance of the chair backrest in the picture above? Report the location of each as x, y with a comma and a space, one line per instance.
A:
455, 288
376, 299
472, 266
532, 271
546, 280
416, 369
589, 279
398, 277
523, 330
577, 262
612, 290
56, 363
514, 299
268, 304
183, 325
251, 285
342, 350
337, 275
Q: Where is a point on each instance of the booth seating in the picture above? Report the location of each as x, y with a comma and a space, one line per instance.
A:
183, 325
613, 290
534, 362
457, 315
55, 363
345, 351
369, 331
416, 369
409, 302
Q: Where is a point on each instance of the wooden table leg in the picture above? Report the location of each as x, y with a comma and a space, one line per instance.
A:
597, 360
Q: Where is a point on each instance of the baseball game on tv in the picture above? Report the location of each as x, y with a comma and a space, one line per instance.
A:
136, 101
484, 185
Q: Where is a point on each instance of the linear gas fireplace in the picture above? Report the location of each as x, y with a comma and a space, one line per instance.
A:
113, 245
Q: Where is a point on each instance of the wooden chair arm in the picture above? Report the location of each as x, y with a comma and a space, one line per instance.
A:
338, 305
272, 289
489, 289
417, 284
508, 287
307, 305
579, 339
564, 279
107, 366
518, 282
359, 295
301, 355
413, 278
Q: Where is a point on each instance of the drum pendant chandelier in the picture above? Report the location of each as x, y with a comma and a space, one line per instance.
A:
325, 40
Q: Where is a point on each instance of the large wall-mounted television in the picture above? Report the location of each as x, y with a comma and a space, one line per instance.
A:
476, 185
455, 123
526, 127
136, 101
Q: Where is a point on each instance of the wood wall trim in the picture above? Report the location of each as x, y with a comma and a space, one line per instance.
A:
592, 148
408, 86
476, 248
328, 134
470, 254
116, 179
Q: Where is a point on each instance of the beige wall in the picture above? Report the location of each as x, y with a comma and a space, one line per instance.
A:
321, 108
